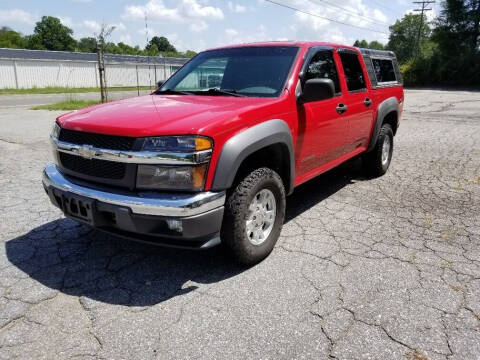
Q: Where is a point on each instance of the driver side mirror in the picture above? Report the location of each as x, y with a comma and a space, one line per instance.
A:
317, 89
160, 83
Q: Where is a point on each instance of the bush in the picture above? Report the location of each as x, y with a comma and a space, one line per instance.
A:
419, 72
408, 74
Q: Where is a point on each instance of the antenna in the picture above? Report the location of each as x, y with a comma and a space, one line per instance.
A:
148, 55
146, 27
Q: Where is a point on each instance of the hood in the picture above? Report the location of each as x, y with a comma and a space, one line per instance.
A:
163, 115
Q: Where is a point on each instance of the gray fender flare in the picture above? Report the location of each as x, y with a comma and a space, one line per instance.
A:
245, 143
385, 107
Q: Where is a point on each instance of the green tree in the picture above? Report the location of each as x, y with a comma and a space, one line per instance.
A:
129, 50
366, 45
376, 45
51, 34
152, 50
186, 54
462, 20
112, 48
87, 44
35, 42
403, 37
11, 39
190, 53
361, 43
162, 43
457, 35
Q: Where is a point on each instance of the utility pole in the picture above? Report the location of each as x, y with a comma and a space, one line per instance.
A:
424, 8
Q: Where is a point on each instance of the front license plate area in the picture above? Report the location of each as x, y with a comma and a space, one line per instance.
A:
78, 207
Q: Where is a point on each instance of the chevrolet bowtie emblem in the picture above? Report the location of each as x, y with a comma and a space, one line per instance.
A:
86, 151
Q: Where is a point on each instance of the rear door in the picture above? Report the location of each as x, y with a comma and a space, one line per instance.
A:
321, 128
358, 100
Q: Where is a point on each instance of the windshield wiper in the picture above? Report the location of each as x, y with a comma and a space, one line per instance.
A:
172, 92
217, 91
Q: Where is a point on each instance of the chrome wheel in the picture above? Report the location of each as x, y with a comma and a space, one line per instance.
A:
387, 144
262, 212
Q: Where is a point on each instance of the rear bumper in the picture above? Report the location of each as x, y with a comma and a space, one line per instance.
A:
171, 219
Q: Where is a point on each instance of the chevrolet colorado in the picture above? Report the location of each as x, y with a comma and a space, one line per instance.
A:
210, 156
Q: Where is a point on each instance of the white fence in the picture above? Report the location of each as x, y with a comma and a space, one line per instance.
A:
33, 73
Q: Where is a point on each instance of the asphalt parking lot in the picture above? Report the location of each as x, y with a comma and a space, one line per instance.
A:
387, 268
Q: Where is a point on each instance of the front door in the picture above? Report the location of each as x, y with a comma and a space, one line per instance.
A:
321, 128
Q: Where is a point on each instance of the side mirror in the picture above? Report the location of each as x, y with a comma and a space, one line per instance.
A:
160, 83
317, 89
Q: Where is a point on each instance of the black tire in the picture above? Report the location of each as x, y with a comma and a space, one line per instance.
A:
234, 231
372, 162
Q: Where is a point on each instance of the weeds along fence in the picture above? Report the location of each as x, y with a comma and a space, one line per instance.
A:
27, 69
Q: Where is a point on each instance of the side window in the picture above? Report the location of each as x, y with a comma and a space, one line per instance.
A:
322, 66
384, 70
353, 71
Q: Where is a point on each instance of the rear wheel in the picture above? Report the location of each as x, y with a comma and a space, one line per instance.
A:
377, 161
254, 214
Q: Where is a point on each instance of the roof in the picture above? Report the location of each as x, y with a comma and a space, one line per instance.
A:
377, 53
78, 56
286, 43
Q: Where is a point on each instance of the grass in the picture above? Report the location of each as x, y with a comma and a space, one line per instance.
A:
64, 90
416, 355
67, 105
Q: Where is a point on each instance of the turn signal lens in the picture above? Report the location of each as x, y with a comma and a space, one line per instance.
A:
199, 176
202, 143
180, 144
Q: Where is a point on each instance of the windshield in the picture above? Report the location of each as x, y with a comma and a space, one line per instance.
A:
245, 71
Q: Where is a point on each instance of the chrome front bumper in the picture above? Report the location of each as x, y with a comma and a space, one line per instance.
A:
142, 203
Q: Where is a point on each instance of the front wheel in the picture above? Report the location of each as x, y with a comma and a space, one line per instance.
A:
377, 161
254, 214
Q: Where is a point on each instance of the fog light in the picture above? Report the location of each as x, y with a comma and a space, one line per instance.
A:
175, 225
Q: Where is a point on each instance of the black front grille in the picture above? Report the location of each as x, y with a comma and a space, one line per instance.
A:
97, 140
93, 167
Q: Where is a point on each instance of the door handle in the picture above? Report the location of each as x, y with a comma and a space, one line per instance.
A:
341, 108
367, 102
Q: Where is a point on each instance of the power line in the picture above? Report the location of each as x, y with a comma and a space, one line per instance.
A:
325, 18
350, 12
385, 7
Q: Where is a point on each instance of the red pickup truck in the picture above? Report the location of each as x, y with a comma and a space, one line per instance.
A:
210, 156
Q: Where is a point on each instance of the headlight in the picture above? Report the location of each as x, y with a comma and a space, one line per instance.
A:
180, 144
171, 177
55, 131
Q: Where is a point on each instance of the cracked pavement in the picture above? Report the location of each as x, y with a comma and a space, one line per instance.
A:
385, 268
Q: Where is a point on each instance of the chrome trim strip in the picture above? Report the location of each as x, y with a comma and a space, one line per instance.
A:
135, 157
146, 203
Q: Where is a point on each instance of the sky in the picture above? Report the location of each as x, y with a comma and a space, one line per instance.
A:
202, 24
